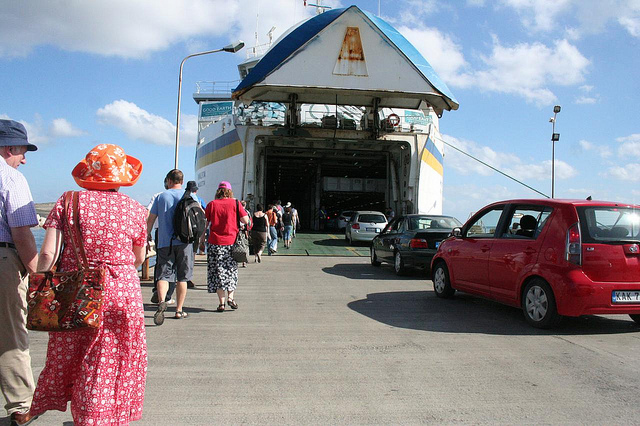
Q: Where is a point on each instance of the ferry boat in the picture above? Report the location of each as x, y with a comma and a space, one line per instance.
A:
340, 113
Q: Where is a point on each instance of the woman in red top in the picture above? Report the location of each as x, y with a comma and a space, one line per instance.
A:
222, 270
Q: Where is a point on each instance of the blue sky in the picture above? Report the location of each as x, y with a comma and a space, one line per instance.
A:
82, 73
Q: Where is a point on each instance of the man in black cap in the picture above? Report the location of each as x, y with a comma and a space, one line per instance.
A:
18, 257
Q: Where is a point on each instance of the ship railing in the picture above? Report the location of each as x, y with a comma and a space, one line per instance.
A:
258, 50
324, 117
216, 87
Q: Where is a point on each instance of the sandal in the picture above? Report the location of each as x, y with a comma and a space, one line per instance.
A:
181, 315
232, 304
220, 307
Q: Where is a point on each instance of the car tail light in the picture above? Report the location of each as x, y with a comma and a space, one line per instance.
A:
418, 243
355, 226
573, 251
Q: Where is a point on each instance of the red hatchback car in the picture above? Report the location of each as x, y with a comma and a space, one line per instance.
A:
550, 257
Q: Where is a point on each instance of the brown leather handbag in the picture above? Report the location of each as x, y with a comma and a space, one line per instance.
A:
70, 300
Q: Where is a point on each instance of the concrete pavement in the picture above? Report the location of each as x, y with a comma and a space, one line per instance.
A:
333, 340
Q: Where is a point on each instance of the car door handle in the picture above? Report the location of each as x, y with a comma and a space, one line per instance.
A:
529, 250
485, 248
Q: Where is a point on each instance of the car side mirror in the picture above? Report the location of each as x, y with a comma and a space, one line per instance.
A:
456, 232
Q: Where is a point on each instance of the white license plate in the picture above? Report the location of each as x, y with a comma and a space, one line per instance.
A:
632, 296
373, 230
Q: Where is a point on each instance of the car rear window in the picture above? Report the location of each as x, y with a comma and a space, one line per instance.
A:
421, 223
603, 224
372, 218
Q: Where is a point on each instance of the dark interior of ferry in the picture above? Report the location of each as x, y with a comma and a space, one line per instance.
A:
294, 175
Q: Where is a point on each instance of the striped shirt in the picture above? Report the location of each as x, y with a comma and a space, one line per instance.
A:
16, 204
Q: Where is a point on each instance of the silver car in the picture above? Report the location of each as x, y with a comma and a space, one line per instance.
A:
364, 226
343, 219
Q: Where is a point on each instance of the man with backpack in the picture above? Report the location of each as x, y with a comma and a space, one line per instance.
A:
174, 255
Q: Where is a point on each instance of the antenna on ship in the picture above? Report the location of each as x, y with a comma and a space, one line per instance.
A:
270, 34
319, 6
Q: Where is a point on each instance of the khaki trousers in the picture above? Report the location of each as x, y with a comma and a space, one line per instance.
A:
16, 378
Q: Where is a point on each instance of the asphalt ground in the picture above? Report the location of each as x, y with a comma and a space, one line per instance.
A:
333, 340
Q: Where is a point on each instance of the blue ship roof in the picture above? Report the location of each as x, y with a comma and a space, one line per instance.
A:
306, 31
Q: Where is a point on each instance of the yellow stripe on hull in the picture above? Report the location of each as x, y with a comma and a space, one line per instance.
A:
432, 161
223, 153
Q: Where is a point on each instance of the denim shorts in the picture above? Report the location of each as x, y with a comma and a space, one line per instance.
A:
287, 232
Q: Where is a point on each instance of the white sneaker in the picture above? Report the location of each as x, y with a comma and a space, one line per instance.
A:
171, 302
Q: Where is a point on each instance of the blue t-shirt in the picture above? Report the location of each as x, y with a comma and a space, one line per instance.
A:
164, 207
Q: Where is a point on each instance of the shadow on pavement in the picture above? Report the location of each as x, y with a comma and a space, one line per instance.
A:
359, 271
422, 310
331, 242
6, 421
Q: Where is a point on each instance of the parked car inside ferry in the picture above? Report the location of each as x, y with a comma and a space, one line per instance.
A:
343, 219
550, 257
364, 225
411, 241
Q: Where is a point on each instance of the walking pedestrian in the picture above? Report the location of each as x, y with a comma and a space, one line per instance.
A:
259, 232
272, 217
102, 371
18, 257
175, 258
172, 285
222, 271
296, 219
287, 221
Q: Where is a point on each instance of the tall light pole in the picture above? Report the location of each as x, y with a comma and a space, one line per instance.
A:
555, 137
233, 48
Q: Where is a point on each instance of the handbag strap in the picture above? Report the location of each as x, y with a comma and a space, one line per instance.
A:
76, 234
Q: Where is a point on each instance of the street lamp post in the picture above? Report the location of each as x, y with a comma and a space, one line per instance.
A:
555, 137
233, 48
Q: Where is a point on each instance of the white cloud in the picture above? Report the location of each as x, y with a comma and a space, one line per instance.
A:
134, 29
414, 12
631, 24
585, 100
188, 129
602, 150
441, 51
586, 145
577, 17
507, 163
39, 132
629, 172
541, 171
61, 128
527, 69
538, 15
140, 124
630, 145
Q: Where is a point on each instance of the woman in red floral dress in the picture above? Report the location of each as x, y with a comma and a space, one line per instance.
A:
101, 371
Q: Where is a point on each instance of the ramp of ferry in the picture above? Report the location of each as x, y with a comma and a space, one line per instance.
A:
322, 244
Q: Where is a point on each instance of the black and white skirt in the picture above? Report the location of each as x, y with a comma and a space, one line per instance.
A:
222, 270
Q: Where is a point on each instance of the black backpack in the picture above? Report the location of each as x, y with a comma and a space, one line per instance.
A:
189, 222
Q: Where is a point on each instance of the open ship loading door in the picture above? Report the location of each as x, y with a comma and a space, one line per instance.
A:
360, 176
